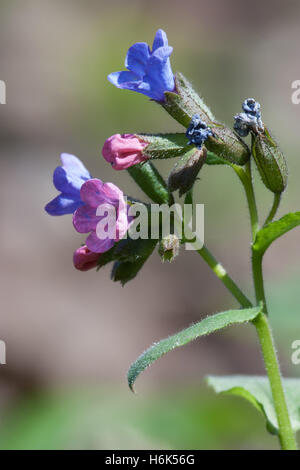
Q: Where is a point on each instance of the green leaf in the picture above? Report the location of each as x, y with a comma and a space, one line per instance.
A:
274, 230
213, 159
257, 391
125, 271
127, 250
204, 327
150, 181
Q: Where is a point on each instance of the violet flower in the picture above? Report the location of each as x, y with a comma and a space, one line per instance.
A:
68, 179
149, 71
102, 202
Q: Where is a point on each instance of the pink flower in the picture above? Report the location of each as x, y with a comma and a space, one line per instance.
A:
103, 214
123, 151
84, 259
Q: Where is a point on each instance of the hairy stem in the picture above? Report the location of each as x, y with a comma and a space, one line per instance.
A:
246, 179
286, 435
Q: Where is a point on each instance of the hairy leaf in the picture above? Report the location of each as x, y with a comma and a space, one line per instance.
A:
150, 181
257, 391
274, 230
204, 327
127, 250
125, 271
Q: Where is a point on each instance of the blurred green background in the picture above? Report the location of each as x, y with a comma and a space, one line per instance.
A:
71, 336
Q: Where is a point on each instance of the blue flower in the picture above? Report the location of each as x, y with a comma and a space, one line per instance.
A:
149, 72
68, 179
198, 132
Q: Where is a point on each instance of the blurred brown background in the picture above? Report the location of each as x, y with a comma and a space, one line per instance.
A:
69, 331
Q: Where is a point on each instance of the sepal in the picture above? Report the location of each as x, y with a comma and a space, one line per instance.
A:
184, 103
151, 182
270, 161
125, 271
186, 170
162, 146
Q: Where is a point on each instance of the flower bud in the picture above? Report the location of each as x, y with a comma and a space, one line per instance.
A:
268, 157
123, 151
84, 259
186, 169
270, 161
184, 103
169, 248
198, 132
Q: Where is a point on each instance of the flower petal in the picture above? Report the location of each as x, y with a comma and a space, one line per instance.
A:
67, 182
112, 194
137, 57
62, 205
159, 74
84, 259
74, 165
69, 178
125, 80
85, 219
98, 245
160, 40
91, 192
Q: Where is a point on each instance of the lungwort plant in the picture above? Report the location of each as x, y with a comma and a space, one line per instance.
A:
103, 212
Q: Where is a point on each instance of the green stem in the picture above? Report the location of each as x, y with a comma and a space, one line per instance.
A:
286, 435
217, 267
274, 208
221, 273
246, 179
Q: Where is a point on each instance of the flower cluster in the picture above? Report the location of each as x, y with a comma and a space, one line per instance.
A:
250, 119
90, 200
100, 209
81, 195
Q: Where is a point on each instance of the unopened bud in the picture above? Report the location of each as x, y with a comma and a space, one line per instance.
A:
268, 157
186, 169
270, 161
169, 248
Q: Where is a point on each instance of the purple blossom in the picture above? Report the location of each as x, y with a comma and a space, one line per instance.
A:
149, 72
68, 179
100, 202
